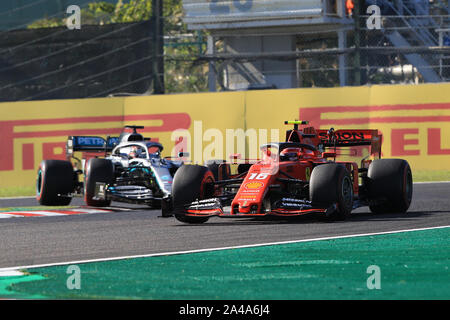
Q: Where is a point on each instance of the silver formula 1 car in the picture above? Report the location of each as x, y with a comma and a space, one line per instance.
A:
131, 170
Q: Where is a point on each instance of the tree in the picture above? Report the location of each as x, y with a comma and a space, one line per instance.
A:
182, 74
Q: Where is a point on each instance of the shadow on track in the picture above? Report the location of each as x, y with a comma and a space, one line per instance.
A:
311, 219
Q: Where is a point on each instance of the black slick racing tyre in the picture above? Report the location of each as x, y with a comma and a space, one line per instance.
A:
190, 183
389, 185
219, 165
331, 184
55, 180
97, 170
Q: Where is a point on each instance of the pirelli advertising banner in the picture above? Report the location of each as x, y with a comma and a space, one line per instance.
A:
33, 131
414, 121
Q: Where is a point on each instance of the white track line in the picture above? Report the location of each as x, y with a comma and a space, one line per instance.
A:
41, 213
11, 273
50, 213
215, 249
5, 216
29, 214
431, 182
82, 210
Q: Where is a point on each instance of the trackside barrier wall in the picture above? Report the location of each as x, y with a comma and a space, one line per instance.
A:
414, 121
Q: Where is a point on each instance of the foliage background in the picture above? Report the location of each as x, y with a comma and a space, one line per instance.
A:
182, 72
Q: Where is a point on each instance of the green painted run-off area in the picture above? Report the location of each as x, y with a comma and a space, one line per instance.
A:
412, 265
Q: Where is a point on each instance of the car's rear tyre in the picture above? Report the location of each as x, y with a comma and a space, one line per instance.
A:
55, 179
216, 166
190, 183
389, 185
243, 167
331, 184
97, 170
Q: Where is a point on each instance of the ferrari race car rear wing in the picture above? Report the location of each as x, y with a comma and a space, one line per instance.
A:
335, 138
351, 138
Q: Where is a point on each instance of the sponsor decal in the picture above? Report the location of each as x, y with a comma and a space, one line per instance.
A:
344, 135
254, 185
247, 197
90, 141
308, 173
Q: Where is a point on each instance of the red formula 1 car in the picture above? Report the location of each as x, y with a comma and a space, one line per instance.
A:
296, 177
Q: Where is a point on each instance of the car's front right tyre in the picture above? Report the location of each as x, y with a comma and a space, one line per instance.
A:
390, 186
331, 184
55, 182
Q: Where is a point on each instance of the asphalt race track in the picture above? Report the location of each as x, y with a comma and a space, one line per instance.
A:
32, 241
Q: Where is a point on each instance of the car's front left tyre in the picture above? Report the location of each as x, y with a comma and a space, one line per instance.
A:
331, 184
97, 170
190, 183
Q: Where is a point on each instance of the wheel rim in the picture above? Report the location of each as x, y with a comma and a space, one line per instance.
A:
408, 186
204, 191
39, 183
347, 192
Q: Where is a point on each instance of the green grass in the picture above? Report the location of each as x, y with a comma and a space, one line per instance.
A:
18, 191
412, 265
429, 176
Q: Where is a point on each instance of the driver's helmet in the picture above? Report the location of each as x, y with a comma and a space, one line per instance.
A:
268, 155
153, 151
290, 154
135, 152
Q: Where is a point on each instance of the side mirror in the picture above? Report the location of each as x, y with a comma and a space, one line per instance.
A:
183, 154
69, 147
235, 156
329, 154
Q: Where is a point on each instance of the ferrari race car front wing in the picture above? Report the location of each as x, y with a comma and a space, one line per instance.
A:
287, 208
